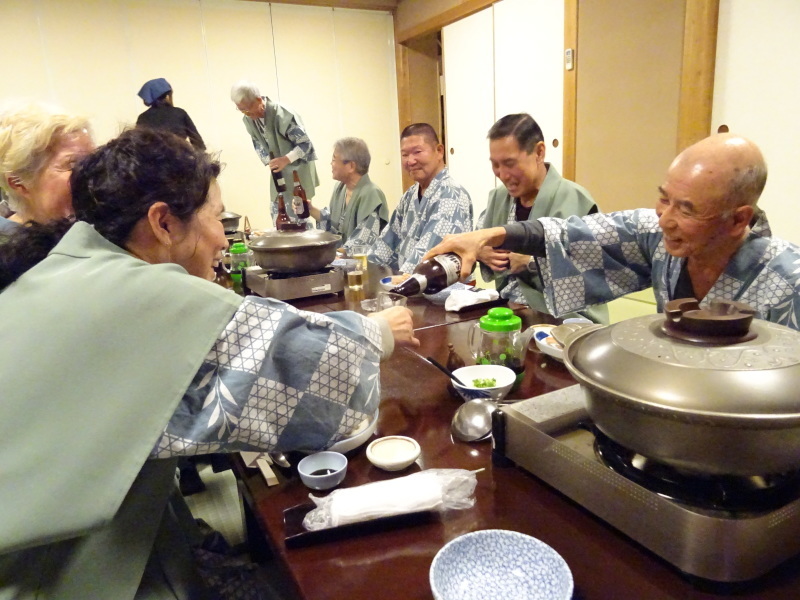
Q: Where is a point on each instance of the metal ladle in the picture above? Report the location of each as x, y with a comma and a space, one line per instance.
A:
473, 420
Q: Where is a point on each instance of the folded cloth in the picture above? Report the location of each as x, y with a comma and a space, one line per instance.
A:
432, 489
459, 299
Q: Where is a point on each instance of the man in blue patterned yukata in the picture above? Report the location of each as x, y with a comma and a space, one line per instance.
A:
430, 209
706, 239
275, 129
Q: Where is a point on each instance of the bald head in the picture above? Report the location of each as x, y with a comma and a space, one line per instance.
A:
730, 165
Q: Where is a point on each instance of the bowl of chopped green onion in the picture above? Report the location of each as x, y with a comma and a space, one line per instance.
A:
492, 382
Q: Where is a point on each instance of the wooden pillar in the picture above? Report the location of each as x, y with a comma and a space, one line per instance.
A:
697, 72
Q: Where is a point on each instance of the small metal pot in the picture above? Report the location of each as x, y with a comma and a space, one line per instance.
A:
230, 221
294, 251
724, 406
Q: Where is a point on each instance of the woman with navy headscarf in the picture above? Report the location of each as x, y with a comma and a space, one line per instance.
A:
157, 94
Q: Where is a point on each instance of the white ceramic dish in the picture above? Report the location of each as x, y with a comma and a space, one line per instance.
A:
358, 438
393, 452
503, 376
546, 342
495, 564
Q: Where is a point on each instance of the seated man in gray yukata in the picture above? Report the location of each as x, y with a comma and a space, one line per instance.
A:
706, 239
531, 189
433, 207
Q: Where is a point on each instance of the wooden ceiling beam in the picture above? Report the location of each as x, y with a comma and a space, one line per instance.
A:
387, 5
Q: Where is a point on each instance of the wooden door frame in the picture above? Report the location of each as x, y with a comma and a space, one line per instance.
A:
697, 77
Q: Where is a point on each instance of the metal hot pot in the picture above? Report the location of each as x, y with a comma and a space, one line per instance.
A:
294, 251
711, 390
230, 221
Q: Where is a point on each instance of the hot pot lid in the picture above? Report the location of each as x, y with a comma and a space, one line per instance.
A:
280, 240
636, 360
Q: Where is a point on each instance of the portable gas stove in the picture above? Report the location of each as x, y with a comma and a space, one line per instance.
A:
724, 529
290, 286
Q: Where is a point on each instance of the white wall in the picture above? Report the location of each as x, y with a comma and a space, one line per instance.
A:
335, 67
756, 90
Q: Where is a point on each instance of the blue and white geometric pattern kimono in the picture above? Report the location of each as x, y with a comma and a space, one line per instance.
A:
305, 393
418, 224
600, 257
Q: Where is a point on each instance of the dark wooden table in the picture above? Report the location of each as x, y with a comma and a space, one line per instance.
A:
394, 562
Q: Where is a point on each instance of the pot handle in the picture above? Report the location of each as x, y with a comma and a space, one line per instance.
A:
722, 319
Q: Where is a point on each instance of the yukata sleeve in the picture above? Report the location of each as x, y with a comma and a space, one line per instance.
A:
365, 232
384, 250
453, 214
595, 259
303, 148
279, 378
263, 154
324, 222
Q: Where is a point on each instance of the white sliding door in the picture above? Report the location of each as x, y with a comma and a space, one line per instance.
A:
469, 103
528, 66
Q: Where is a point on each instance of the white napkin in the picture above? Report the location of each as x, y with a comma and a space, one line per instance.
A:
459, 299
432, 489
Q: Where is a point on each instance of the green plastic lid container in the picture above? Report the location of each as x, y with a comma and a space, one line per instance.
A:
500, 318
239, 248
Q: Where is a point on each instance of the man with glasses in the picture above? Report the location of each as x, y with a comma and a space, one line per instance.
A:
706, 239
358, 209
277, 130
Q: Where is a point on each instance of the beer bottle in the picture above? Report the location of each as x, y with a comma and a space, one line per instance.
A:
280, 182
222, 276
454, 361
282, 222
299, 200
432, 276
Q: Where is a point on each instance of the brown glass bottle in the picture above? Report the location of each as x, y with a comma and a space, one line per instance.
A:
432, 276
222, 276
454, 360
280, 182
282, 222
299, 199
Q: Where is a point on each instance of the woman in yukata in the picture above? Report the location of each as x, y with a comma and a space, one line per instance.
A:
123, 355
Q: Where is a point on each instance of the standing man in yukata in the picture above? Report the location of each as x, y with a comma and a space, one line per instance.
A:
706, 239
276, 129
430, 209
531, 188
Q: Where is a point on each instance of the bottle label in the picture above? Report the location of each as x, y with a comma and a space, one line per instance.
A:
451, 263
299, 207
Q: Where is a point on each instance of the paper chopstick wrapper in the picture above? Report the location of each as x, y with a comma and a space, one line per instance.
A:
433, 489
458, 299
262, 462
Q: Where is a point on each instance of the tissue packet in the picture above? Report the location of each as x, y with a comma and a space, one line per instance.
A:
432, 489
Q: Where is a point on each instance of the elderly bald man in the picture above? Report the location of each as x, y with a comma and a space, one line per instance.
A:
705, 239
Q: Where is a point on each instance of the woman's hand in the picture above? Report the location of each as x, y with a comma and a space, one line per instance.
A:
399, 319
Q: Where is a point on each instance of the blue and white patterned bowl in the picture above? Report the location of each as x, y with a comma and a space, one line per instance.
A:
503, 376
495, 564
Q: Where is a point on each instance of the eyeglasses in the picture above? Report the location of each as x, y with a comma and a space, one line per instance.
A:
254, 106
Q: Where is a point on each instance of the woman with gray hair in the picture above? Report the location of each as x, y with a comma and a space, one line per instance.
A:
357, 208
39, 146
